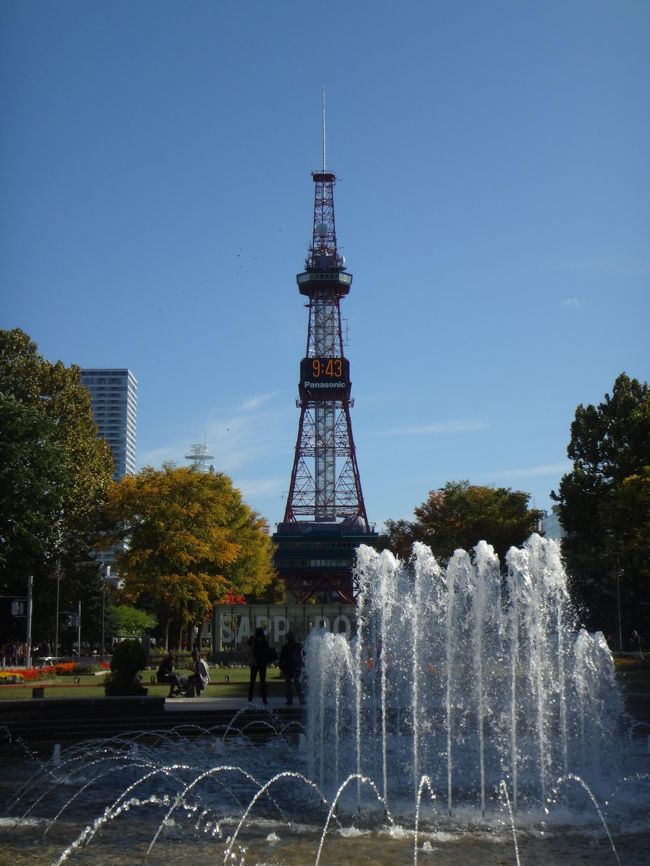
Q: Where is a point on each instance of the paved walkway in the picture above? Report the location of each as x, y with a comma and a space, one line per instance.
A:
41, 722
212, 704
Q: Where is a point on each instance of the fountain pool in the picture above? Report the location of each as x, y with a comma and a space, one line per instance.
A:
469, 721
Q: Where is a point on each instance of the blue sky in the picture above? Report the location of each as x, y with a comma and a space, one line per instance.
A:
492, 205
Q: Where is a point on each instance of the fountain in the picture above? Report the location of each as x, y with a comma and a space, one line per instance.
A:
466, 677
468, 721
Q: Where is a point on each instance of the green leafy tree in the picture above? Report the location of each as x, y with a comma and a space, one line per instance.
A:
460, 514
34, 475
128, 621
54, 474
604, 508
189, 540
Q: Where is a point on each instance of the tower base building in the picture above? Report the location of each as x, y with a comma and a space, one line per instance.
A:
316, 560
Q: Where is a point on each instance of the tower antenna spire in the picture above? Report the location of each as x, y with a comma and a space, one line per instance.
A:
324, 131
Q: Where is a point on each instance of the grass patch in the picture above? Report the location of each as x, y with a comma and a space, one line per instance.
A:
92, 687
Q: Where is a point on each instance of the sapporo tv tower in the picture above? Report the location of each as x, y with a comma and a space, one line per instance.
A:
325, 517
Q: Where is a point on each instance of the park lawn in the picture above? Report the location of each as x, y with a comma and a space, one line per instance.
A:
91, 686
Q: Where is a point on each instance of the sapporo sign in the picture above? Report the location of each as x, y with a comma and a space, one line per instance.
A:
234, 624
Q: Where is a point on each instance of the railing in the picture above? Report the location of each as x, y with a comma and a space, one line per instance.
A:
325, 276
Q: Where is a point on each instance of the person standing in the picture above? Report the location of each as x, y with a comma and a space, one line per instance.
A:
291, 661
259, 651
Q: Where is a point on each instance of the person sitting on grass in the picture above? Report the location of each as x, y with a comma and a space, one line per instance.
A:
200, 677
165, 674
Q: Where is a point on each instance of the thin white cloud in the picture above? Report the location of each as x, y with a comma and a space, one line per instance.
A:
235, 440
531, 471
435, 428
262, 487
611, 264
256, 402
572, 303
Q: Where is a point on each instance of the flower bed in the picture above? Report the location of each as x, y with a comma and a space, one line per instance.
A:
62, 669
25, 674
11, 676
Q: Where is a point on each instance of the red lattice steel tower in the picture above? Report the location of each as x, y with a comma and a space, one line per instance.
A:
325, 514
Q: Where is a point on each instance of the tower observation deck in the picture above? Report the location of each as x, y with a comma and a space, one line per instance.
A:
325, 516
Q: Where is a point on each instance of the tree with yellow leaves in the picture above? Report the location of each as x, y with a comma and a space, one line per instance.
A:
189, 539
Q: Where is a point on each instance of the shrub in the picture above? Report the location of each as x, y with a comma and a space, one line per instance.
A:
127, 661
81, 668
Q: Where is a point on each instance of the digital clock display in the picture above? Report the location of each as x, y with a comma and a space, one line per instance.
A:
324, 378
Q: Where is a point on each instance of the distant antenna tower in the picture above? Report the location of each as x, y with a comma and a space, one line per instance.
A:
200, 457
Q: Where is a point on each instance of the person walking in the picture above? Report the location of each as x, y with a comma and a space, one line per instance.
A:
259, 652
291, 662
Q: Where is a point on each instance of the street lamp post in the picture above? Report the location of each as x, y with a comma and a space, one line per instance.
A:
79, 631
30, 600
105, 576
56, 620
618, 604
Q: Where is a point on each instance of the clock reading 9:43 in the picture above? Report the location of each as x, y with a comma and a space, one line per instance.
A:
331, 368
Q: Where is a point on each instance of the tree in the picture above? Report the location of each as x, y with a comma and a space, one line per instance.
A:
460, 515
189, 540
57, 393
54, 476
34, 474
127, 621
604, 508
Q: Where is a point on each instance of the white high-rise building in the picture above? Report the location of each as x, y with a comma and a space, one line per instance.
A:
114, 403
551, 526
